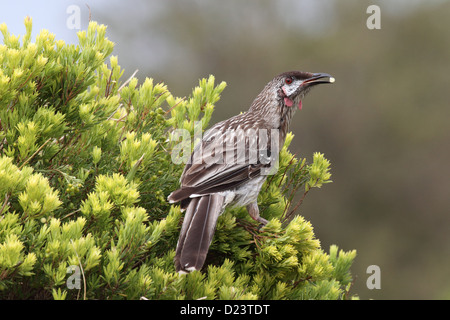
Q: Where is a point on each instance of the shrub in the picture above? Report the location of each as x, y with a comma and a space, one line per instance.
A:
85, 169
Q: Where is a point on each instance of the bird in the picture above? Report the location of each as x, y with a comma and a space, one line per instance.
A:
228, 167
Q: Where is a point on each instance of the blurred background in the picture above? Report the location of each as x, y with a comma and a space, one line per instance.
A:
384, 124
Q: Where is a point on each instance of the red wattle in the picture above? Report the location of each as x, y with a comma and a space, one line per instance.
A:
288, 102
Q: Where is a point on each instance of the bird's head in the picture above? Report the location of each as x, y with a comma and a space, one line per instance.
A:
287, 91
292, 86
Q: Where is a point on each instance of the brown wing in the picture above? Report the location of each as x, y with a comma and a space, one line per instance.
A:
227, 157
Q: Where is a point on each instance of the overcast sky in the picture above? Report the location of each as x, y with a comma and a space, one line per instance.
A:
53, 15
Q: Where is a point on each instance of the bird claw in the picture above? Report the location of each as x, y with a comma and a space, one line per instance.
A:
263, 222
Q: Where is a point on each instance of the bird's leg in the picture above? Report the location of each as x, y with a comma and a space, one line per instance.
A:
253, 211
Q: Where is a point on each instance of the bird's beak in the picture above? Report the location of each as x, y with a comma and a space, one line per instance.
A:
319, 78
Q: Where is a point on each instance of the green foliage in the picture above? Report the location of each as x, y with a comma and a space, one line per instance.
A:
85, 169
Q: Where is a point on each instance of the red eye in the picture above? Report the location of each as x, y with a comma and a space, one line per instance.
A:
288, 80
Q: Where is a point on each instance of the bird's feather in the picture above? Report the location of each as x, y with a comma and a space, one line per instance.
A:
208, 172
197, 232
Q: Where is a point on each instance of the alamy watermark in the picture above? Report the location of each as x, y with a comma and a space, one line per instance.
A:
74, 280
73, 21
229, 147
374, 280
374, 20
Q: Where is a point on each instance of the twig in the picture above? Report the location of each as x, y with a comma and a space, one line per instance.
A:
128, 80
285, 171
70, 214
176, 104
36, 152
89, 12
4, 203
291, 213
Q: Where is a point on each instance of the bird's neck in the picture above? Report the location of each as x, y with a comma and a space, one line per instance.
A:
275, 115
286, 114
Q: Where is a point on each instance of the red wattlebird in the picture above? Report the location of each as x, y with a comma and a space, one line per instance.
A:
229, 166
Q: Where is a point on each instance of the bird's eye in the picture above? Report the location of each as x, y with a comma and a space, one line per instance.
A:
288, 80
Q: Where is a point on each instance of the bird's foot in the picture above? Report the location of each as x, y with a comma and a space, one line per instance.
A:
262, 222
253, 210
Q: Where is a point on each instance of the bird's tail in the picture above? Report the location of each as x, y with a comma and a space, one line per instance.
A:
197, 232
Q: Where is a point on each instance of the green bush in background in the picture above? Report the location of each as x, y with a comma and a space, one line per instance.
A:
85, 169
